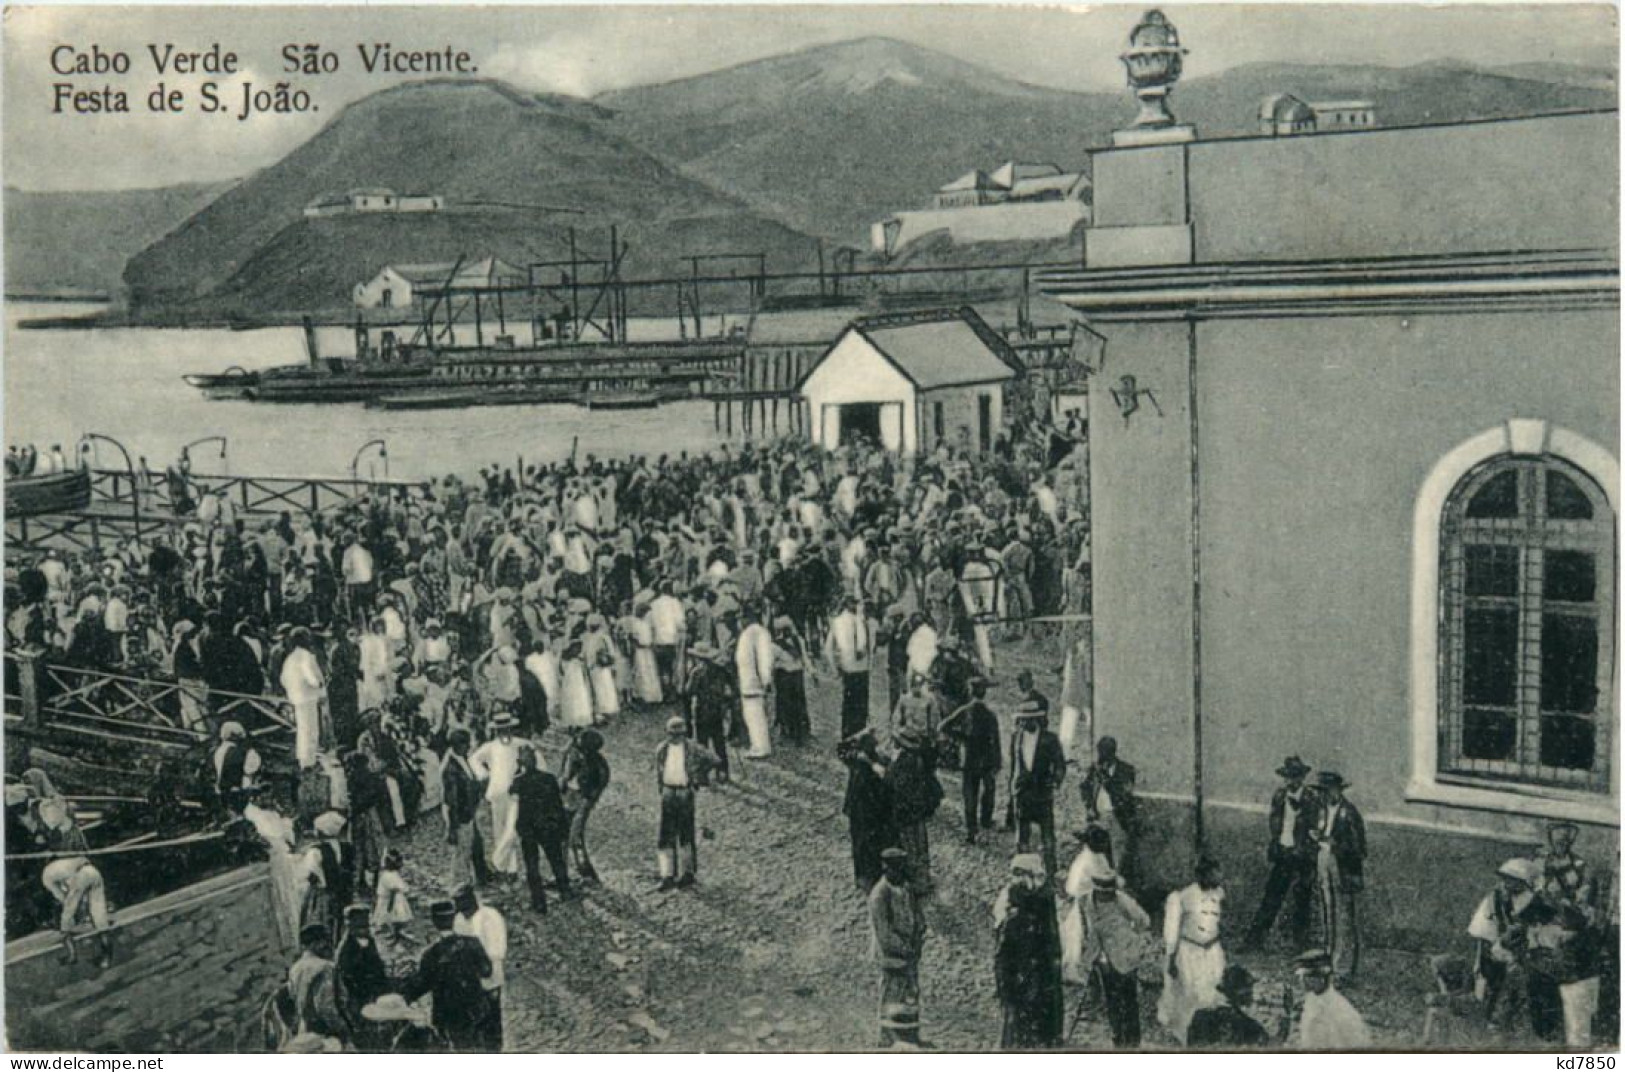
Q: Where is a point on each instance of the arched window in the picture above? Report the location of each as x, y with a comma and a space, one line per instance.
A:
1525, 627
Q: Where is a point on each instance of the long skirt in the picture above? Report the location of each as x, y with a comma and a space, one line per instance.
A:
790, 704
755, 711
307, 732
646, 676
606, 694
1200, 969
576, 706
504, 833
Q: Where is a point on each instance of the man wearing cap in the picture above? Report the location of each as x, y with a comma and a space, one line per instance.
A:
897, 938
454, 970
236, 767
712, 698
1037, 769
851, 643
461, 794
542, 826
1109, 799
484, 923
1115, 929
1326, 1020
1338, 833
1291, 856
1027, 960
681, 768
1227, 1026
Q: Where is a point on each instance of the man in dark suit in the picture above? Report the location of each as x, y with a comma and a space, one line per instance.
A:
977, 727
462, 799
543, 824
451, 970
1108, 799
1037, 769
1338, 832
1291, 857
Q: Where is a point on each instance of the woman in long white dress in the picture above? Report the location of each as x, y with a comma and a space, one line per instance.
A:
496, 762
645, 671
575, 707
597, 651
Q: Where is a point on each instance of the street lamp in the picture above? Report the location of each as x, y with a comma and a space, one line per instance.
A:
85, 446
383, 453
186, 450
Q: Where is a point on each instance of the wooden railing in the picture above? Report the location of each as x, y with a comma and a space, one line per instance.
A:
252, 495
44, 694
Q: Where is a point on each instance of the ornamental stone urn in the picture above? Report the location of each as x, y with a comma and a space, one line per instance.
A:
1154, 61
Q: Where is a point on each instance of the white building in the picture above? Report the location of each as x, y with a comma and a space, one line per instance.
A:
1282, 114
910, 381
396, 286
1014, 202
372, 199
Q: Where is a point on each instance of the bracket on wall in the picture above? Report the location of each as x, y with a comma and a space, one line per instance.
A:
1127, 395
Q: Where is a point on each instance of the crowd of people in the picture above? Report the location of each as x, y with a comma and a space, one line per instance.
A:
424, 650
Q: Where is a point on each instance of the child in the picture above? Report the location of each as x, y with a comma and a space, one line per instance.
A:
393, 910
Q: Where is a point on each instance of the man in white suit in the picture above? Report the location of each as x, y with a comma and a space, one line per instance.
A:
306, 689
754, 659
851, 643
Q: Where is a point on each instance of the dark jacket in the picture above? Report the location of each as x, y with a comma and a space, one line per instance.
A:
978, 728
542, 816
1119, 786
915, 791
462, 792
1347, 839
1027, 971
713, 694
451, 970
1036, 788
1300, 826
1224, 1027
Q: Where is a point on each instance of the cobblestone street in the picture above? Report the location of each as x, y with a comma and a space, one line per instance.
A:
770, 952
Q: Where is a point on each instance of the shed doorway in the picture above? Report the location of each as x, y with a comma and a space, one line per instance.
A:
860, 421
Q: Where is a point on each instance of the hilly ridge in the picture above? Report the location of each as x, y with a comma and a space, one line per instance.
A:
474, 142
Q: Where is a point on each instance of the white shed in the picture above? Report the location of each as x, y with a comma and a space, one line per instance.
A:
910, 381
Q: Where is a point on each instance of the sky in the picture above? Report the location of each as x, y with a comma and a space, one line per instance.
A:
589, 50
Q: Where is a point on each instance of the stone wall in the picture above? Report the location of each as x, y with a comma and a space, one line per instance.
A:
190, 973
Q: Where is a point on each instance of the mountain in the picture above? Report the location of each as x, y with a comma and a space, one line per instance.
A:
831, 138
78, 240
508, 164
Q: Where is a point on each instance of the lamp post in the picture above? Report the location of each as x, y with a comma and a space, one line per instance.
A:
383, 452
207, 439
85, 447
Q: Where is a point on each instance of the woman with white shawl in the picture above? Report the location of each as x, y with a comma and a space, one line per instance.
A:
597, 651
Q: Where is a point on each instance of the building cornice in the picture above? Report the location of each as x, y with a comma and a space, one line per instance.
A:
1480, 282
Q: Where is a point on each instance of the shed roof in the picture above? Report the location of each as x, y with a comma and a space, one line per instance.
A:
944, 348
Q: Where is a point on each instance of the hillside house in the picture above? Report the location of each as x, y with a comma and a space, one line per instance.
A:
1282, 114
374, 199
910, 381
1371, 517
1013, 202
398, 286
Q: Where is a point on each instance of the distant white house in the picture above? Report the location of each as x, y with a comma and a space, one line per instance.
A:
1282, 114
909, 382
397, 286
1015, 201
372, 199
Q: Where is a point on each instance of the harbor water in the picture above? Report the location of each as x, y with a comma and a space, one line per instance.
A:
126, 383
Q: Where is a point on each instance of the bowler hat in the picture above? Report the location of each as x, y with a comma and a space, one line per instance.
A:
676, 724
442, 909
1293, 768
312, 932
894, 854
1330, 780
1027, 863
1313, 961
